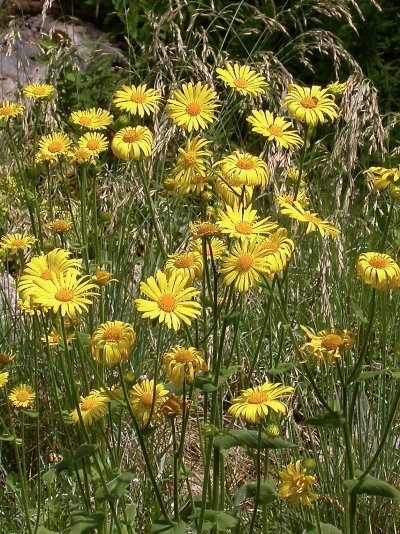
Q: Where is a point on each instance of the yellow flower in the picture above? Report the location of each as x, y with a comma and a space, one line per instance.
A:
254, 404
243, 79
191, 160
310, 104
132, 143
171, 301
326, 345
336, 88
214, 248
22, 396
67, 292
59, 226
186, 264
244, 265
274, 129
93, 118
28, 307
182, 364
94, 142
9, 110
112, 342
16, 242
231, 192
378, 270
39, 91
243, 223
203, 230
54, 338
137, 100
286, 198
193, 106
103, 277
198, 183
241, 168
92, 408
296, 211
52, 146
295, 485
146, 402
3, 379
380, 177
278, 249
80, 155
293, 174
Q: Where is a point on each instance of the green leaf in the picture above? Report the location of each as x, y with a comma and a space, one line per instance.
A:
267, 492
11, 437
326, 420
281, 368
214, 519
371, 486
249, 438
44, 530
326, 528
369, 374
85, 450
116, 487
396, 373
86, 523
30, 413
358, 312
66, 464
162, 527
50, 476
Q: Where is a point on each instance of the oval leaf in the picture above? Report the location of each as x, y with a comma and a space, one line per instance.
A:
327, 420
249, 438
371, 486
116, 487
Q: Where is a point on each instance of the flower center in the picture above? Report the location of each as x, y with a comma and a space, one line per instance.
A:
258, 397
270, 247
193, 108
138, 98
332, 342
6, 111
275, 130
241, 83
22, 396
87, 405
183, 356
112, 334
55, 146
199, 179
379, 262
189, 158
65, 294
18, 243
184, 261
60, 225
245, 262
147, 400
93, 144
243, 228
39, 91
289, 199
167, 303
309, 102
85, 121
131, 137
46, 275
245, 164
206, 229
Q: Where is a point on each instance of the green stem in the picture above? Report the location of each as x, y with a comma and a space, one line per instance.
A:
258, 480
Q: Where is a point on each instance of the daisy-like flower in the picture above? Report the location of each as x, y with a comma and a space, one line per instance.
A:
243, 79
145, 402
186, 264
198, 184
213, 248
3, 378
203, 230
326, 345
244, 223
380, 177
59, 226
112, 342
310, 104
132, 143
295, 485
52, 146
22, 396
54, 338
193, 106
103, 277
244, 265
244, 169
231, 192
254, 404
42, 267
191, 160
137, 100
93, 118
92, 408
80, 155
336, 88
297, 212
378, 270
285, 198
94, 142
67, 292
170, 300
274, 129
173, 406
278, 249
14, 243
9, 110
39, 91
293, 174
28, 307
182, 364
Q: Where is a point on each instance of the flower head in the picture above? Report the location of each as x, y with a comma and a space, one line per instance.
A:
296, 211
378, 270
146, 402
16, 242
112, 342
132, 143
243, 223
203, 230
59, 226
92, 119
81, 155
94, 142
54, 338
22, 396
92, 408
137, 100
182, 364
186, 264
170, 300
326, 345
9, 110
295, 485
232, 192
193, 106
293, 174
191, 160
52, 146
3, 378
278, 249
254, 404
242, 168
310, 104
103, 277
214, 247
381, 177
287, 198
244, 265
274, 129
39, 91
243, 79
